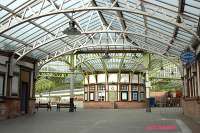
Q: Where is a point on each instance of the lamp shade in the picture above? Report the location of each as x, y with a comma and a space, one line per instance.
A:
72, 30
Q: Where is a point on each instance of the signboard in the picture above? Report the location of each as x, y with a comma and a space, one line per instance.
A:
187, 57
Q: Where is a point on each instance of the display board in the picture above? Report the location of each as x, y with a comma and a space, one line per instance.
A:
101, 78
134, 78
124, 78
92, 79
112, 78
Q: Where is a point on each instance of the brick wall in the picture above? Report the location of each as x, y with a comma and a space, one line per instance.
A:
10, 108
130, 105
98, 105
112, 105
191, 108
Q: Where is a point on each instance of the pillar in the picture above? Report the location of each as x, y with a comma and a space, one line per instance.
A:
147, 84
71, 109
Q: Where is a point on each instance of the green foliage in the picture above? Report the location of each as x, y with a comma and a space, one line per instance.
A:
43, 85
167, 85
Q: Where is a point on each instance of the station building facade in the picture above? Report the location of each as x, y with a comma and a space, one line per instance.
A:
17, 94
114, 90
191, 91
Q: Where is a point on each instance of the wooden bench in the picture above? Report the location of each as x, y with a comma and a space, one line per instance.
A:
43, 105
64, 105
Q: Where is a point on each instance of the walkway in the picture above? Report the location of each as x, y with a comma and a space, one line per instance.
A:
95, 121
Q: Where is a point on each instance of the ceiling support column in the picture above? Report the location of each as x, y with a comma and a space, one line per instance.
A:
72, 62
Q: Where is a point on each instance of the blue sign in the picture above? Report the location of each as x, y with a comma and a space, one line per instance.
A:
187, 57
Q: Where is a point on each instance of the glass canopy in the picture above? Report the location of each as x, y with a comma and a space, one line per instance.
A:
34, 28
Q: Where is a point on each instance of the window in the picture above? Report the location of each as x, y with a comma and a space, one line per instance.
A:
124, 87
112, 78
1, 85
86, 96
134, 88
135, 95
142, 88
135, 78
124, 96
101, 93
101, 87
101, 78
92, 79
124, 78
91, 96
92, 87
142, 96
15, 85
124, 92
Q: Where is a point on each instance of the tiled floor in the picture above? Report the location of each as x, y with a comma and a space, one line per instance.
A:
95, 121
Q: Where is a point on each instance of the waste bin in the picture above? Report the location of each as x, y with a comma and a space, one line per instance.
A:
152, 102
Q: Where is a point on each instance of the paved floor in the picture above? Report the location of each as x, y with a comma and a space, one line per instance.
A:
95, 121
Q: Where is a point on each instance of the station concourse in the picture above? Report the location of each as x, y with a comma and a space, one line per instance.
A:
100, 66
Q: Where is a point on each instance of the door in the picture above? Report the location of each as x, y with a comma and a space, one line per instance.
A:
24, 98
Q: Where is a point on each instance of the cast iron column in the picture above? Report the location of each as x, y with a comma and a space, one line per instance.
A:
147, 85
71, 109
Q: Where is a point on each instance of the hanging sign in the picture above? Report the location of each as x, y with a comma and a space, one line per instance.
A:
187, 57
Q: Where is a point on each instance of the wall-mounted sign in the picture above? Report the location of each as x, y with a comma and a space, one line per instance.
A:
187, 57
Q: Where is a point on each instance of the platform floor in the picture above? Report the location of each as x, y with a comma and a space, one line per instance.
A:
96, 121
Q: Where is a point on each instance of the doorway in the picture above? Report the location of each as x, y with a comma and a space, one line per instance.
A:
24, 96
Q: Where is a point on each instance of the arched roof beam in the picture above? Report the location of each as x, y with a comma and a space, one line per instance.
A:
19, 20
104, 22
21, 42
64, 52
35, 24
115, 57
132, 33
39, 44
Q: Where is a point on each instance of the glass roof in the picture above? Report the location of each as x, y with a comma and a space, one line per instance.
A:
34, 27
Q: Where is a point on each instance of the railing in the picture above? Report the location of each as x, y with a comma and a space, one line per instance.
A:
168, 105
